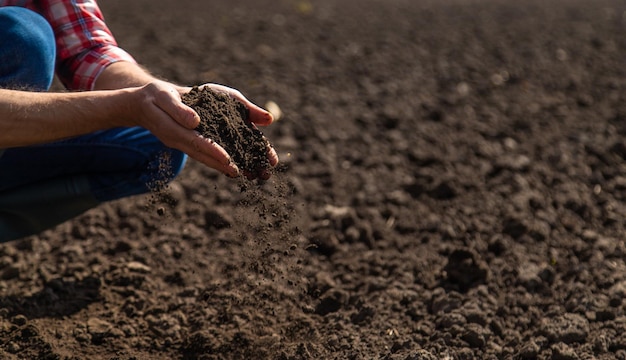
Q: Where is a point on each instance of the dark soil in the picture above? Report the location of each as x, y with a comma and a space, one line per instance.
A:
225, 121
452, 187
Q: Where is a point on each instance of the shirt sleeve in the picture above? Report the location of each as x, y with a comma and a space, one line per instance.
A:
85, 45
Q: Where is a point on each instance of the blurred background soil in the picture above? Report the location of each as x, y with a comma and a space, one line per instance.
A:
451, 187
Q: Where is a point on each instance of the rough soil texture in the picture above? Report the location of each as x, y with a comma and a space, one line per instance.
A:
453, 186
224, 120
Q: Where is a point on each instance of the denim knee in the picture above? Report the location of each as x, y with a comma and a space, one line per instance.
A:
160, 171
133, 161
27, 49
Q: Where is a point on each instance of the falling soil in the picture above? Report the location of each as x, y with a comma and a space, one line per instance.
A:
225, 121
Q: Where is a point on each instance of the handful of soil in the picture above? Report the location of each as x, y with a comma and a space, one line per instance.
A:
225, 121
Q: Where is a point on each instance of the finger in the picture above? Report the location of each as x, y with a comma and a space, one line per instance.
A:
199, 148
209, 148
170, 102
264, 173
256, 114
230, 170
272, 156
213, 155
259, 115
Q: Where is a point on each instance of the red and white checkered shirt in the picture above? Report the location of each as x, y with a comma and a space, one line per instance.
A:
84, 43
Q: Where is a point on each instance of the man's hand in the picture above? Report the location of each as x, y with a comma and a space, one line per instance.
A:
162, 112
124, 95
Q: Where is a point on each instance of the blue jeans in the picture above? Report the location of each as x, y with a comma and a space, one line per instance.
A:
44, 185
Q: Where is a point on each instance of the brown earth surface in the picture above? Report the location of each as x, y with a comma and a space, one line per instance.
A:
452, 186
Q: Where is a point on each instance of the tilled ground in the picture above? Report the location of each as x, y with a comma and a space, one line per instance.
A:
452, 186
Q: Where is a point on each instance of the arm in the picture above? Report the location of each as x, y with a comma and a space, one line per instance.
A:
28, 118
126, 95
122, 74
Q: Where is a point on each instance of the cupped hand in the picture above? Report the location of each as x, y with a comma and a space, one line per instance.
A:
162, 112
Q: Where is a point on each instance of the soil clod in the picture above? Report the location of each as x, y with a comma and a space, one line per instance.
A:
225, 121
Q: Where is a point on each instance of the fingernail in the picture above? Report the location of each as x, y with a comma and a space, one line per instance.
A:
195, 121
233, 170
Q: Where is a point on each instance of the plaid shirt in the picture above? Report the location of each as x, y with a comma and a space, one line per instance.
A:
84, 43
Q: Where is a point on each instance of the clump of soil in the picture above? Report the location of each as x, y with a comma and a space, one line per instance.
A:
225, 121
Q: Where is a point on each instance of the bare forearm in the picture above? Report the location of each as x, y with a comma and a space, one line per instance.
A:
123, 74
28, 118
